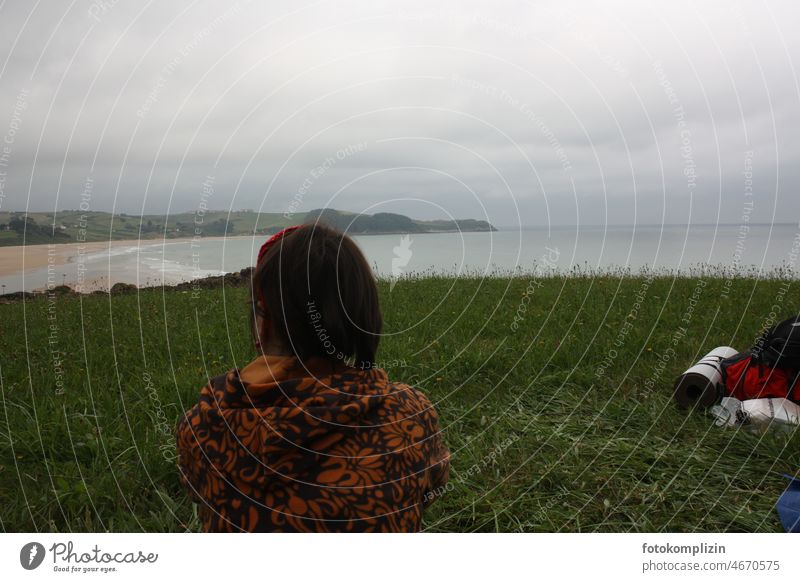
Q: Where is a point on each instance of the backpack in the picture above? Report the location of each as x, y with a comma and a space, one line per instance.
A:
770, 368
779, 346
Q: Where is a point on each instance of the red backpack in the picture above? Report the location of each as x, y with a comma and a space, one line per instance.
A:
769, 369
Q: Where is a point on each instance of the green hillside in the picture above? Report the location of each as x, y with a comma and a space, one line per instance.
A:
18, 228
541, 441
391, 223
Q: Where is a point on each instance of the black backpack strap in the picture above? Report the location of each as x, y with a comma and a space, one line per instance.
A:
761, 349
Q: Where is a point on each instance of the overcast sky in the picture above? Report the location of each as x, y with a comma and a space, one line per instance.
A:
517, 112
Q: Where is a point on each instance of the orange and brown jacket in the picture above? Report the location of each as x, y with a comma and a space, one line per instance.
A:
312, 447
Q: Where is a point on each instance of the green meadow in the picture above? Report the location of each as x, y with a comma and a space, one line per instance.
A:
554, 395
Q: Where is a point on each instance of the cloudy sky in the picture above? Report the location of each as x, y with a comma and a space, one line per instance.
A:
518, 112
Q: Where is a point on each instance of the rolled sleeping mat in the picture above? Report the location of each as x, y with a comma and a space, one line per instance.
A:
702, 383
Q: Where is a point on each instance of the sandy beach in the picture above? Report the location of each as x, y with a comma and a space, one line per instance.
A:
26, 258
76, 264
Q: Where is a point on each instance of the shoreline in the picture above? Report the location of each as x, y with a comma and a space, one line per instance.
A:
19, 258
16, 259
90, 267
218, 237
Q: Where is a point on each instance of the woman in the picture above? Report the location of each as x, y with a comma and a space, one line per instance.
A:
311, 435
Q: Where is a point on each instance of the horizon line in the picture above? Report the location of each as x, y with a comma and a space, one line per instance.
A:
498, 226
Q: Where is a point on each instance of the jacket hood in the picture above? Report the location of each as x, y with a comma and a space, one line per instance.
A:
279, 404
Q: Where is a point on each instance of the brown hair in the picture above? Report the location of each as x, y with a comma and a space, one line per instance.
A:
320, 295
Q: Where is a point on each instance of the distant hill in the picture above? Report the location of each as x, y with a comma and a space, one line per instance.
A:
17, 228
390, 223
74, 226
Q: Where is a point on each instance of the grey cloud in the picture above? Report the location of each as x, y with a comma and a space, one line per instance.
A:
148, 102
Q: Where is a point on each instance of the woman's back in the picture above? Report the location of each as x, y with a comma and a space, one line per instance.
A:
282, 446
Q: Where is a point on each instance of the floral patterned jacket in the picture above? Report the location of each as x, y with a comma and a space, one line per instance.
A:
311, 447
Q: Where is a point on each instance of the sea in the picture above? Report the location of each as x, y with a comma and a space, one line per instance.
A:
762, 250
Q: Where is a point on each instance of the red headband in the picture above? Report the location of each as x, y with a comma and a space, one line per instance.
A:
266, 246
272, 240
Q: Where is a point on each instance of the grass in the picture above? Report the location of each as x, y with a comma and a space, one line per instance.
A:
558, 420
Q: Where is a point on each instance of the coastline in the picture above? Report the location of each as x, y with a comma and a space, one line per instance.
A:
170, 262
15, 259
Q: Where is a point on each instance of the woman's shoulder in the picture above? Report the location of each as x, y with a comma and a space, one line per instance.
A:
412, 398
222, 391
